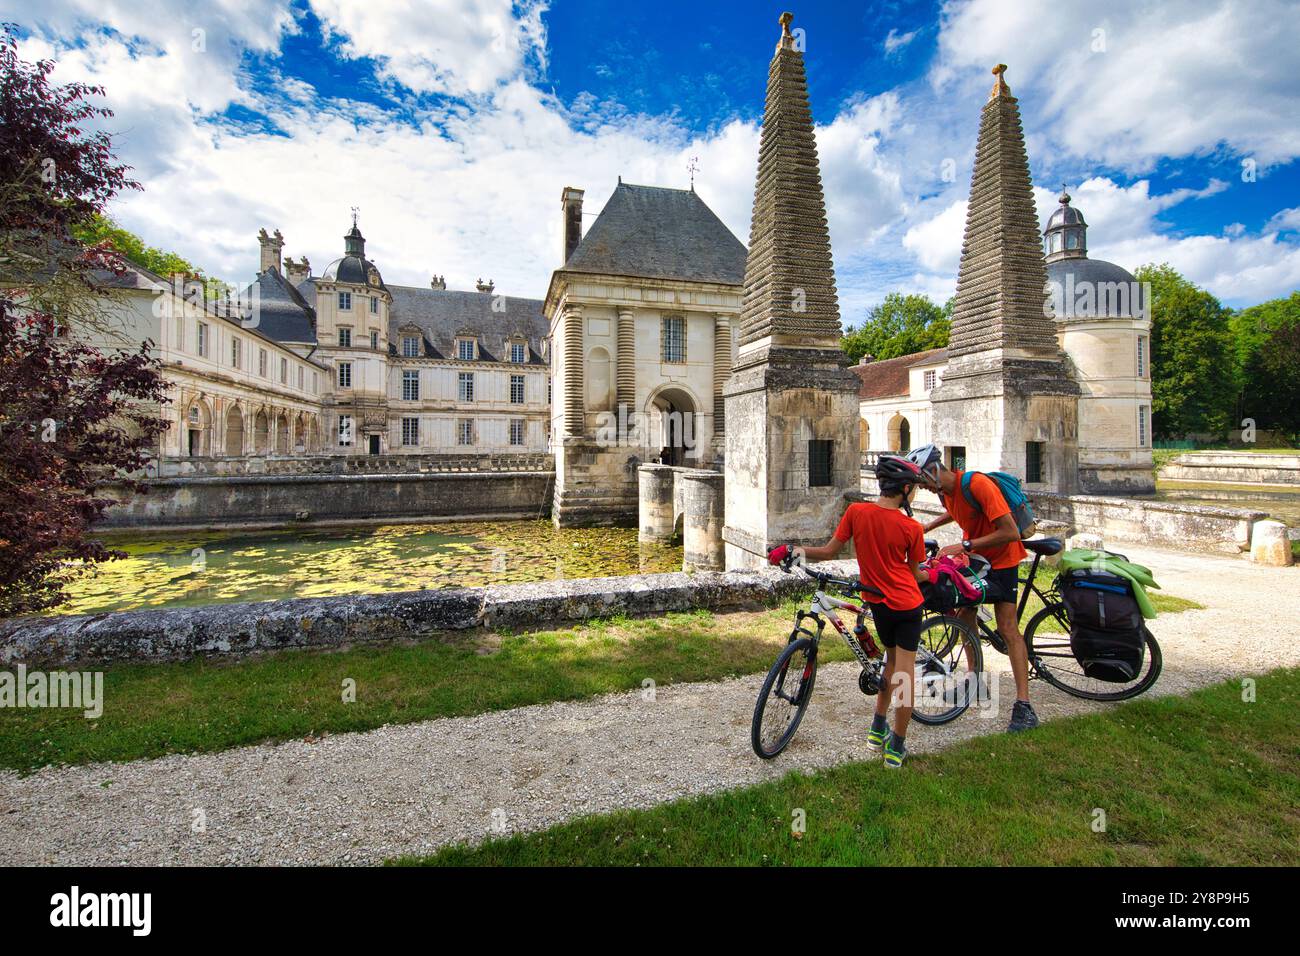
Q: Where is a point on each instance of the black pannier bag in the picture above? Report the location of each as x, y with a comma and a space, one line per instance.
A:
1107, 636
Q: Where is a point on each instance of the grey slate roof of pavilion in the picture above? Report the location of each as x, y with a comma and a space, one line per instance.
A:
1103, 279
659, 233
285, 314
442, 314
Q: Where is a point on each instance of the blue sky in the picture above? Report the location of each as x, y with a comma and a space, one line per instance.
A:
454, 125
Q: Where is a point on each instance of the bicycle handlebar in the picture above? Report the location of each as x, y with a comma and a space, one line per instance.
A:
853, 587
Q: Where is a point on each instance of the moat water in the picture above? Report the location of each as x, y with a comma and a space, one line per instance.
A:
177, 570
1280, 502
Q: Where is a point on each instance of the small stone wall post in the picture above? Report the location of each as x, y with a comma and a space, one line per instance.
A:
655, 484
704, 515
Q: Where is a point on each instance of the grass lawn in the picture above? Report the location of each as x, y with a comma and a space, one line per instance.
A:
205, 705
1184, 781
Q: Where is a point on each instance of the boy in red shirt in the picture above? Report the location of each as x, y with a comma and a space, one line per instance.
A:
890, 548
988, 530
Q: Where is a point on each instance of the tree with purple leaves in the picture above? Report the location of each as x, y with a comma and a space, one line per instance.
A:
73, 418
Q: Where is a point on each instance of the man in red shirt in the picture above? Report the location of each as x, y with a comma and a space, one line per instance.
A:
988, 530
890, 549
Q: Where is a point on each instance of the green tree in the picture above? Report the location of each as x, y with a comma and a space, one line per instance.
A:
1266, 338
900, 325
1193, 365
132, 248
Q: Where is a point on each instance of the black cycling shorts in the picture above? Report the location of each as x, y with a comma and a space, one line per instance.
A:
1003, 584
900, 629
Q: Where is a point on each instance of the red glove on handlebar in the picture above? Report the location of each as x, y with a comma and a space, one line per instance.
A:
778, 554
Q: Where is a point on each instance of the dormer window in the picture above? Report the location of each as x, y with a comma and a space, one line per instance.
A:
345, 301
518, 352
410, 346
465, 350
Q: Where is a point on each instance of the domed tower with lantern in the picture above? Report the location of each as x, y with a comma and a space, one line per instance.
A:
352, 305
1103, 323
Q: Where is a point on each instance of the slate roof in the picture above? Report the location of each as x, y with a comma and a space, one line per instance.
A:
285, 313
442, 314
888, 378
659, 233
1100, 277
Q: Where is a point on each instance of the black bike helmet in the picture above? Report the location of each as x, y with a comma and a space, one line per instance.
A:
896, 475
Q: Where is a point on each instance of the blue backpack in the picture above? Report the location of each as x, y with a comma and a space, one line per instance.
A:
1022, 513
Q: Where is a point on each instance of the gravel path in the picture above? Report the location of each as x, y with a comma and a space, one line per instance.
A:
366, 797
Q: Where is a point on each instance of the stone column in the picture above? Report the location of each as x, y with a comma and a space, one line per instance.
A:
625, 390
655, 484
574, 360
703, 502
721, 372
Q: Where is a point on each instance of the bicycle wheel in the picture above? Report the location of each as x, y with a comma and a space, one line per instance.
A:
949, 670
1047, 640
784, 698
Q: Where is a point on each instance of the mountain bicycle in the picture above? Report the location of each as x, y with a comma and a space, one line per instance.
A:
1047, 636
949, 663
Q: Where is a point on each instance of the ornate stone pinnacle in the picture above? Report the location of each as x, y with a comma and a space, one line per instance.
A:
999, 302
1000, 86
789, 278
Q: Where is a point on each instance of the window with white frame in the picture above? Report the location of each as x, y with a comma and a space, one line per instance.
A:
516, 389
410, 431
1142, 356
410, 386
1144, 425
673, 336
374, 305
345, 430
518, 352
410, 346
203, 339
261, 362
516, 431
345, 337
345, 300
236, 351
465, 431
931, 379
465, 386
374, 339
465, 350
345, 374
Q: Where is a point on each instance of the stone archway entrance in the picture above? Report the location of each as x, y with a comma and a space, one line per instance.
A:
900, 434
674, 429
234, 432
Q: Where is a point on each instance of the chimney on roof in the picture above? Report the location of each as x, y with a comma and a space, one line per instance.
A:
439, 283
297, 272
272, 246
485, 286
571, 201
866, 359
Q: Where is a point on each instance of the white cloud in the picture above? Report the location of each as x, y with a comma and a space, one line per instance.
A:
1126, 84
895, 41
441, 46
936, 242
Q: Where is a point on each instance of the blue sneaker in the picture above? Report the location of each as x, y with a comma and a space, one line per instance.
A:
1022, 717
876, 739
894, 752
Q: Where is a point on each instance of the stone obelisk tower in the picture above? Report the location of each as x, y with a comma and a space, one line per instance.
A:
1007, 397
791, 404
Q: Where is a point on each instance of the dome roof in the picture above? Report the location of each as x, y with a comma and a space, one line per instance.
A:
354, 267
1100, 289
1065, 215
357, 270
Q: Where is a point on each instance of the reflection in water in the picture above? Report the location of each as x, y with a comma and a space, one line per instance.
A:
163, 570
1280, 502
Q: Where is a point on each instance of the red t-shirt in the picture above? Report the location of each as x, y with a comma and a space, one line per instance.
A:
884, 538
976, 523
